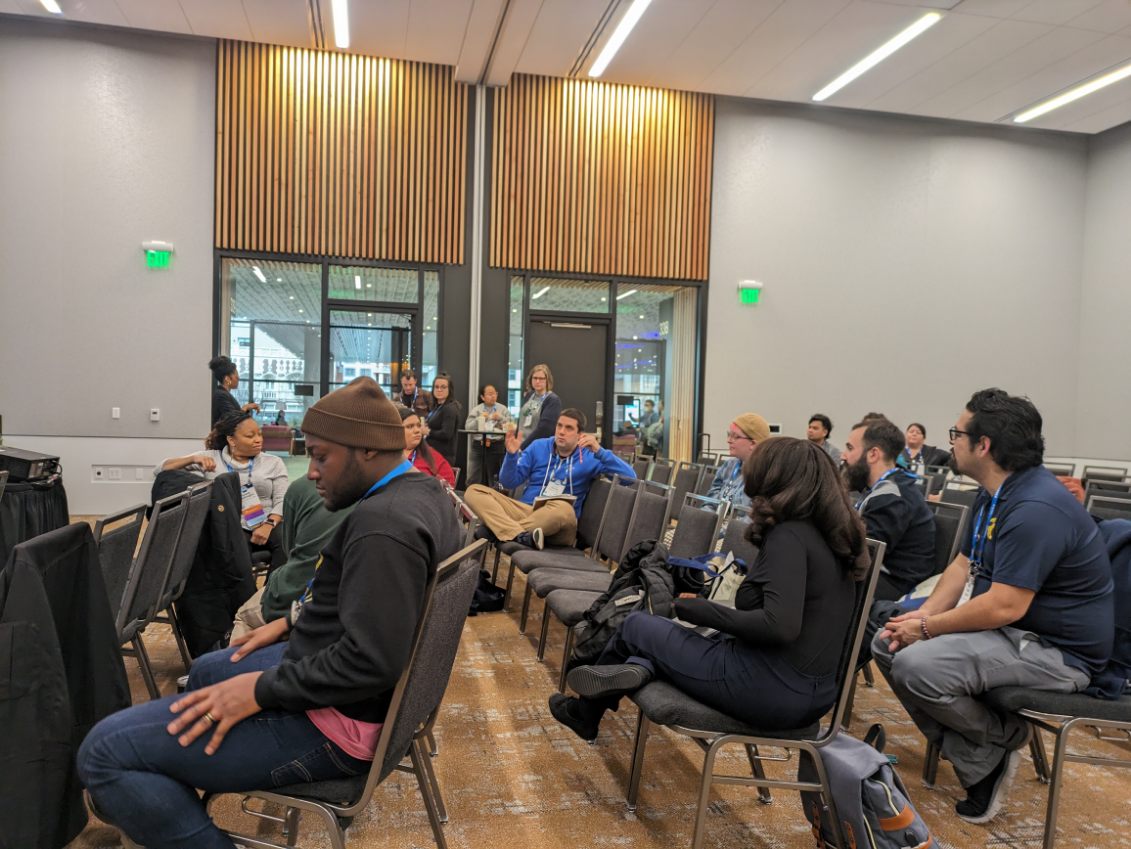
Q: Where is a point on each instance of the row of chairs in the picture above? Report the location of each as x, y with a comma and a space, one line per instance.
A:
143, 587
1089, 473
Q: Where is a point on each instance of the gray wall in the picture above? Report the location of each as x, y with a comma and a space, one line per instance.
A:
1103, 413
906, 263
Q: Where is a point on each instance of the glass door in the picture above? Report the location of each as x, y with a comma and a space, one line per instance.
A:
371, 344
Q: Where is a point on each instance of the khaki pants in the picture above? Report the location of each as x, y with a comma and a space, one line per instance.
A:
508, 518
249, 616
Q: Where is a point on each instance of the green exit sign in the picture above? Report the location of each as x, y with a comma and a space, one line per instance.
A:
157, 259
749, 296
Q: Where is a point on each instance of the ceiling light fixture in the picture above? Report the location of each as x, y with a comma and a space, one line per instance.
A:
634, 13
357, 281
259, 274
341, 12
878, 55
624, 295
51, 6
540, 293
1072, 94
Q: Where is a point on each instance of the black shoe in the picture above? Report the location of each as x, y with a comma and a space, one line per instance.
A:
576, 716
598, 682
532, 539
984, 800
484, 532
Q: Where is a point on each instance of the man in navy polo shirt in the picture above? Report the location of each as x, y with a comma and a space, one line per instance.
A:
1028, 602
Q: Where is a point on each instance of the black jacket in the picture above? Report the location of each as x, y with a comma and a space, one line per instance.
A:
443, 427
221, 579
60, 672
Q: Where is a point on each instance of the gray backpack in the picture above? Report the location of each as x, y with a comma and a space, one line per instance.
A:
874, 809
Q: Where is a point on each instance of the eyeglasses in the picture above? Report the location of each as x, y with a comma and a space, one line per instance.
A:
734, 437
955, 433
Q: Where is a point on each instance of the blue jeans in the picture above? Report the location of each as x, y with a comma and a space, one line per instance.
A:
142, 780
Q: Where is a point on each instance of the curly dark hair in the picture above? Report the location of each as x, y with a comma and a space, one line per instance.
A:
217, 439
791, 479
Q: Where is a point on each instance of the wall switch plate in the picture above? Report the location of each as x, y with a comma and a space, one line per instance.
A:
115, 412
154, 414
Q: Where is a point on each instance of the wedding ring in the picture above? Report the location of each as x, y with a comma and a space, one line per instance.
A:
211, 719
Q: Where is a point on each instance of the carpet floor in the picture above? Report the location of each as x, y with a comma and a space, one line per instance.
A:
513, 777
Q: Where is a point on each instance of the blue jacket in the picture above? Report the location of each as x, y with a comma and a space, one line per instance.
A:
539, 463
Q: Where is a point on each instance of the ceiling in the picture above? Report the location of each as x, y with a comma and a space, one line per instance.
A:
983, 62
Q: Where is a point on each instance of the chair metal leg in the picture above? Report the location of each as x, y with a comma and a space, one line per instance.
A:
641, 740
759, 772
510, 584
290, 826
930, 764
704, 794
146, 669
545, 633
433, 746
565, 659
850, 701
416, 753
495, 567
437, 796
182, 646
869, 675
1054, 784
1040, 756
525, 610
827, 793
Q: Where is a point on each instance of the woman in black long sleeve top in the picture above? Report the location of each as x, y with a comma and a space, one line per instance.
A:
773, 665
443, 419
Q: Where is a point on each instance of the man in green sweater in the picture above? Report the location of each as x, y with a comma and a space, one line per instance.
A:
307, 529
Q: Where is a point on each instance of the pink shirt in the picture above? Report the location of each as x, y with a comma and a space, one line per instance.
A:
356, 738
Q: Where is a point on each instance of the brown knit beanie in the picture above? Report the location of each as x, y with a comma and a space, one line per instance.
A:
754, 426
358, 415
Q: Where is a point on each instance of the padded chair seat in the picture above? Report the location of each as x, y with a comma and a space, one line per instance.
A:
570, 605
528, 559
1014, 699
544, 581
663, 704
510, 547
336, 791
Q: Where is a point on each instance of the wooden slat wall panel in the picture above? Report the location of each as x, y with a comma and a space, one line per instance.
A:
592, 178
339, 155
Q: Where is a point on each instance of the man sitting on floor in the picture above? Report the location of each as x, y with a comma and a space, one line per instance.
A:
1027, 603
552, 469
270, 713
892, 506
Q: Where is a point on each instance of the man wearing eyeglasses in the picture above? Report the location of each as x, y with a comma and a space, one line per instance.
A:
1028, 602
743, 434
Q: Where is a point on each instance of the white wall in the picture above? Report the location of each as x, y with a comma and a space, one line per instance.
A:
906, 263
1104, 409
106, 140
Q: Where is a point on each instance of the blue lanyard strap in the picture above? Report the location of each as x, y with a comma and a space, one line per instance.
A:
980, 532
403, 467
250, 466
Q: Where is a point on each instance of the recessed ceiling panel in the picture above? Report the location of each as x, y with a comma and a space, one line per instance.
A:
477, 40
1113, 97
436, 29
559, 33
377, 29
1105, 120
285, 22
643, 58
1056, 12
1108, 16
517, 25
92, 11
217, 18
162, 15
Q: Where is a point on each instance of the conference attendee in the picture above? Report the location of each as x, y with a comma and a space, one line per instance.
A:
892, 506
308, 529
236, 445
442, 421
227, 378
272, 712
774, 662
538, 416
745, 432
417, 452
557, 472
818, 432
650, 430
917, 455
411, 395
488, 417
1027, 603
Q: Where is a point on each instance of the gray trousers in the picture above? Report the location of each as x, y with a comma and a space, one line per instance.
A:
939, 681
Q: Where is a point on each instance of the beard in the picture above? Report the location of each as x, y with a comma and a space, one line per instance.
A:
952, 464
856, 476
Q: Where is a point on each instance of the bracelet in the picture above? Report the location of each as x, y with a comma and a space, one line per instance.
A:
923, 628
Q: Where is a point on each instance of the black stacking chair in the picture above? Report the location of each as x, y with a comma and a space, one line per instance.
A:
661, 471
1103, 507
199, 502
3, 482
1067, 470
1108, 489
116, 536
951, 522
662, 704
955, 494
1102, 473
640, 467
412, 712
685, 480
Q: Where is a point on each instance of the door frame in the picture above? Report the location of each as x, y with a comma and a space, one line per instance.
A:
415, 334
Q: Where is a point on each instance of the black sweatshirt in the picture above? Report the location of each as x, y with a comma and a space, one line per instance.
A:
352, 639
797, 599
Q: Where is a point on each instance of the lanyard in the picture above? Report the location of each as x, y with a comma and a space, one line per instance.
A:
250, 466
980, 532
434, 410
403, 467
558, 465
412, 457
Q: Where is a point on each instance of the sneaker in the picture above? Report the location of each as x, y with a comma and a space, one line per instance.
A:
573, 715
182, 683
598, 682
984, 800
532, 539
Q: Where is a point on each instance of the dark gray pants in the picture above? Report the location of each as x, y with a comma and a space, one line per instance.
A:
939, 681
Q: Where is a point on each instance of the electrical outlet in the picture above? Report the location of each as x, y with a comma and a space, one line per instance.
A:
115, 412
97, 473
139, 473
114, 473
154, 414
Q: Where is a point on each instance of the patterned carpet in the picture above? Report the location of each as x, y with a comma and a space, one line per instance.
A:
511, 776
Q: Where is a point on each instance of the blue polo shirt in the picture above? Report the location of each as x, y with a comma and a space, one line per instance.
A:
1041, 539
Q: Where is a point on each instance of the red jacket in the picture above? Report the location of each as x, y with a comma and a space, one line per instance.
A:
443, 468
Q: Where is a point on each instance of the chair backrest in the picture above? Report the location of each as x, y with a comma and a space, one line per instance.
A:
698, 526
706, 478
421, 686
640, 467
199, 502
592, 511
3, 482
950, 527
1105, 507
1067, 470
116, 536
960, 495
151, 567
465, 515
648, 516
846, 673
734, 539
684, 481
1103, 473
614, 522
661, 471
455, 474
1110, 489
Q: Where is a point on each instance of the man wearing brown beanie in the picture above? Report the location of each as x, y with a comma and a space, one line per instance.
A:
267, 713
